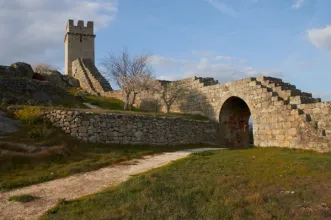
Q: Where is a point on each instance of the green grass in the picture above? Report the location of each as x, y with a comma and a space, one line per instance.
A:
23, 198
258, 183
113, 105
105, 102
60, 155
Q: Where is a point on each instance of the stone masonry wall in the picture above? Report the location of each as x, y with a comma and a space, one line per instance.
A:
282, 115
134, 129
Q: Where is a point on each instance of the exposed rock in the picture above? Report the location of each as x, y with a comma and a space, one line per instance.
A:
71, 81
41, 96
56, 78
21, 69
56, 98
32, 92
4, 71
8, 125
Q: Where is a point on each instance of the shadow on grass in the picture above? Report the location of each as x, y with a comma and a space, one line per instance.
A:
58, 155
255, 183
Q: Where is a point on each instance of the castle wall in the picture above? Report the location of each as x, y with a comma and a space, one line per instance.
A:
134, 129
282, 115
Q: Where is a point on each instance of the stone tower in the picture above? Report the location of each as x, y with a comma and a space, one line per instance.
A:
79, 43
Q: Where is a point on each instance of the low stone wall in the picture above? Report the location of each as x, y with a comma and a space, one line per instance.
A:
134, 129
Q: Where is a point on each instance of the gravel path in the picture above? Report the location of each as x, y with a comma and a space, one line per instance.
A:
81, 184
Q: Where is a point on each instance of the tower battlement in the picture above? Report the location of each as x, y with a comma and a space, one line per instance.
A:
80, 28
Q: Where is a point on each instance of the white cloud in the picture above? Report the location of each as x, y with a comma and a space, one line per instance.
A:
172, 69
33, 30
223, 8
298, 4
203, 53
224, 58
321, 38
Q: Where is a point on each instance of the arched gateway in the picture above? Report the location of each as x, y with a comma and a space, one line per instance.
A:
234, 123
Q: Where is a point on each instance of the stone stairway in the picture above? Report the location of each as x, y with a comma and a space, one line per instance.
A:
83, 77
207, 81
99, 83
287, 95
287, 91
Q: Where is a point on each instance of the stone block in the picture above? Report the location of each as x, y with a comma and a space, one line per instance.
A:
82, 129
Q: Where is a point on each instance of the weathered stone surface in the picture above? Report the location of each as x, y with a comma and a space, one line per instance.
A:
41, 96
30, 92
135, 129
71, 81
282, 115
56, 78
89, 77
8, 125
21, 69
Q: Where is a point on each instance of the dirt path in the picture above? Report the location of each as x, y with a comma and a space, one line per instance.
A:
91, 106
81, 184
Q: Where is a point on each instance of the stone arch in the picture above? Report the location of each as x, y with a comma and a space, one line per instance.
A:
234, 113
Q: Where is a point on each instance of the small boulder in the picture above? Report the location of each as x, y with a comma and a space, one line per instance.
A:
71, 81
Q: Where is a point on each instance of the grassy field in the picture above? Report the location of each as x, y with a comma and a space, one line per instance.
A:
270, 183
40, 152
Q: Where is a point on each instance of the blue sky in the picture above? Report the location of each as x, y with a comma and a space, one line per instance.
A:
269, 36
224, 39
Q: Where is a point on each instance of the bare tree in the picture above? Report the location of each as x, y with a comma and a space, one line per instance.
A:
42, 68
171, 92
132, 74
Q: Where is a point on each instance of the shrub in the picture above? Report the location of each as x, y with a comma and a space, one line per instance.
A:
28, 114
39, 132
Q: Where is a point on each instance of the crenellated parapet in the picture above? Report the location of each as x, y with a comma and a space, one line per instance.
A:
80, 28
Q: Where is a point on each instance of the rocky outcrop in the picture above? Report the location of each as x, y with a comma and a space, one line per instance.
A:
56, 78
30, 92
19, 69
